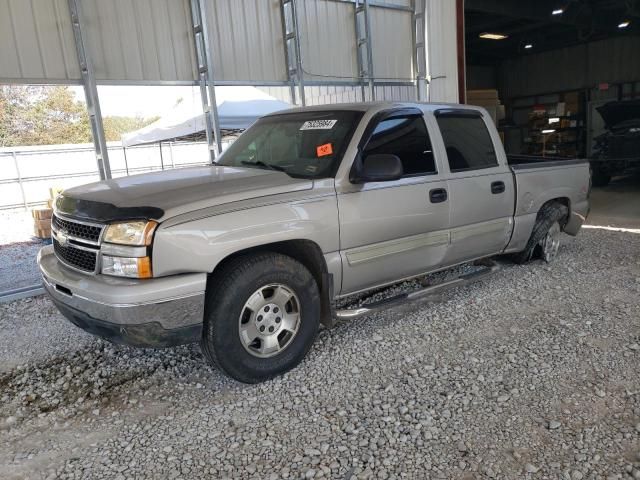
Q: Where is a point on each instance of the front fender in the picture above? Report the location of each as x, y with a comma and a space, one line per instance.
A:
200, 244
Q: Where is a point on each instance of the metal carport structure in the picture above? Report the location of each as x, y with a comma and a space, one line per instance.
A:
297, 44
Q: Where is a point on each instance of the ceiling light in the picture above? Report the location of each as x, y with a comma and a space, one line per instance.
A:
528, 46
624, 24
557, 11
493, 36
551, 130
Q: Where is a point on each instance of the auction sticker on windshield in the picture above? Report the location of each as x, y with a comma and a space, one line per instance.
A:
324, 150
318, 125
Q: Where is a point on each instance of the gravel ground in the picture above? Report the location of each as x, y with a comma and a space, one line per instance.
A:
18, 265
15, 226
18, 250
532, 373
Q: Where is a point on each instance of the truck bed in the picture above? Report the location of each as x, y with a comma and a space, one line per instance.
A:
517, 162
537, 179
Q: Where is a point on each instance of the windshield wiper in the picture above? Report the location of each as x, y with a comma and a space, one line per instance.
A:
269, 166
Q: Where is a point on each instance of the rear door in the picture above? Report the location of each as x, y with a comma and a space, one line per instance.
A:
391, 230
481, 188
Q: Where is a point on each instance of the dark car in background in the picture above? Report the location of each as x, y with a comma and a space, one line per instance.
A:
618, 149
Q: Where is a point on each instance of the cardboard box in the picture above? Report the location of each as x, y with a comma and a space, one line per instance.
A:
42, 224
41, 213
41, 232
483, 95
572, 97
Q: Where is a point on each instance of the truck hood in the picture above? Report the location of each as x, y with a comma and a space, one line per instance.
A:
614, 113
161, 195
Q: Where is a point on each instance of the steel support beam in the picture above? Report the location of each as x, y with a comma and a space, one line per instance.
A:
24, 197
298, 50
206, 76
289, 50
367, 22
363, 39
419, 46
90, 92
359, 44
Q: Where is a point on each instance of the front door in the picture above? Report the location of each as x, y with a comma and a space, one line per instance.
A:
397, 229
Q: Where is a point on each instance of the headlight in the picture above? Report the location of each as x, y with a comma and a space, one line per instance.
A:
130, 233
127, 266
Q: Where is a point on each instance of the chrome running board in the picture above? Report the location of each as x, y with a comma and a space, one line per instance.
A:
430, 294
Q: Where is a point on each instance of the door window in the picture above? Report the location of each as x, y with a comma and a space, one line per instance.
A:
407, 138
468, 143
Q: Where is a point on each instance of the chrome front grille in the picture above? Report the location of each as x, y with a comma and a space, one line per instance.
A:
72, 256
76, 243
81, 231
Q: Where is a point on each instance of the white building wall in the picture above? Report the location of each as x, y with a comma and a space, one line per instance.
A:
442, 51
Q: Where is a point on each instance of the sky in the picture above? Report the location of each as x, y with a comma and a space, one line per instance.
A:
153, 101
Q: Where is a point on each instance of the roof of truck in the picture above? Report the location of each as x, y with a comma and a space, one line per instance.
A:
366, 106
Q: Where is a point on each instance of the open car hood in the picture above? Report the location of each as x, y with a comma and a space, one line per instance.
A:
614, 113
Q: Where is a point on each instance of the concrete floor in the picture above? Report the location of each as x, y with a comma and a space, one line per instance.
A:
617, 204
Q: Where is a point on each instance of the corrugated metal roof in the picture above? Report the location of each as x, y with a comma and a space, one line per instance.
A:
329, 40
247, 40
140, 40
151, 41
36, 41
392, 44
330, 94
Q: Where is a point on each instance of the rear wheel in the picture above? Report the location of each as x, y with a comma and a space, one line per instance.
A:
544, 242
261, 317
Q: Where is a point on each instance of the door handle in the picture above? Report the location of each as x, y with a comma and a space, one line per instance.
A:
497, 187
438, 195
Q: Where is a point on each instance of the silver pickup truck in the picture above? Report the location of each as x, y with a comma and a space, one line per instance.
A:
249, 255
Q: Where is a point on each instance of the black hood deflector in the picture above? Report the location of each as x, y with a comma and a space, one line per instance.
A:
104, 212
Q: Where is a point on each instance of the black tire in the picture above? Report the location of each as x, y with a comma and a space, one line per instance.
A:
228, 291
600, 178
549, 214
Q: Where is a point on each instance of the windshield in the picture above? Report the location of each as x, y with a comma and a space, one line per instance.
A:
305, 144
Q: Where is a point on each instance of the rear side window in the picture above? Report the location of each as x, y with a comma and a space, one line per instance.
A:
406, 137
468, 143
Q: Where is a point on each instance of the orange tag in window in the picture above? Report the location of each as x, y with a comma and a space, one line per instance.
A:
324, 150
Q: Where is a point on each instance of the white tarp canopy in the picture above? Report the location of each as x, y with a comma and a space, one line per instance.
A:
181, 122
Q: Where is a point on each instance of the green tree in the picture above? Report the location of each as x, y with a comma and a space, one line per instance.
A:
116, 126
56, 117
40, 115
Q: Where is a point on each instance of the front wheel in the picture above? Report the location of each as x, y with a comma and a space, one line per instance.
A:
261, 317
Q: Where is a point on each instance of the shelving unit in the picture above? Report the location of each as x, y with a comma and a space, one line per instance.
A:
530, 117
566, 139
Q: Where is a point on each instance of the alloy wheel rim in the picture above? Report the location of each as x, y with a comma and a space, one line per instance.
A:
551, 243
269, 320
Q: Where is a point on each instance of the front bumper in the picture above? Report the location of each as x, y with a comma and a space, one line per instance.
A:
158, 312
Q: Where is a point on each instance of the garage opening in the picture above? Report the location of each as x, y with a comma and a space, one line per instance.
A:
562, 79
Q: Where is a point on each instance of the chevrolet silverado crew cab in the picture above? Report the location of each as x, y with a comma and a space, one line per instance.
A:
250, 254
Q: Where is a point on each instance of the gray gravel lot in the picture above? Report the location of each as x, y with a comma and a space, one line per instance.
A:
18, 251
532, 373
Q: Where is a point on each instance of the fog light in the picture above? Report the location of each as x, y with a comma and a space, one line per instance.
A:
126, 266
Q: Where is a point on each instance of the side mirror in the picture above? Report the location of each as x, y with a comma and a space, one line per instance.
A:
381, 167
